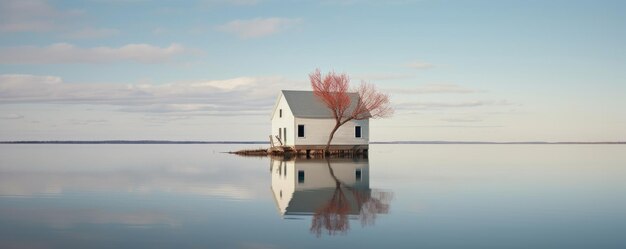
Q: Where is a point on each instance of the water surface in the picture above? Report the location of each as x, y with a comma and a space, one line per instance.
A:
402, 196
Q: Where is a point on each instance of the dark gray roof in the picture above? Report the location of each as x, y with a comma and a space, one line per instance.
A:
305, 104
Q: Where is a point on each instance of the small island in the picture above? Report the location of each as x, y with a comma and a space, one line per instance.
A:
306, 122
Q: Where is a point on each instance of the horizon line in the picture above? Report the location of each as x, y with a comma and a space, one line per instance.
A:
122, 141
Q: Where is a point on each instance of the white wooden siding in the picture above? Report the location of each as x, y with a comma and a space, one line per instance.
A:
317, 130
286, 121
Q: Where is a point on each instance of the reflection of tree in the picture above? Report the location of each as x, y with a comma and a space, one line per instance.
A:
333, 215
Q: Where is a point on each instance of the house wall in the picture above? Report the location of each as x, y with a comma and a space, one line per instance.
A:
317, 131
286, 121
316, 176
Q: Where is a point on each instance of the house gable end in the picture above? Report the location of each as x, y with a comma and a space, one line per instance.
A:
276, 104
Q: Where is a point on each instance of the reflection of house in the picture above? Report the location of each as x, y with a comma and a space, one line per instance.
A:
303, 122
303, 186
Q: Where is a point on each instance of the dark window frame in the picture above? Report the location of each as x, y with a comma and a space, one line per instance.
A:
301, 131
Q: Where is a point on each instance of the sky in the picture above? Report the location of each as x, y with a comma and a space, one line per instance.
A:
456, 70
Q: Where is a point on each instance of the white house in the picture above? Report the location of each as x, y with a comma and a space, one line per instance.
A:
300, 120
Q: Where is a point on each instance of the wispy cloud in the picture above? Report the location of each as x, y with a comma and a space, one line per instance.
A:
420, 65
432, 88
462, 119
383, 76
258, 27
68, 53
460, 104
237, 96
92, 33
31, 16
369, 2
230, 2
160, 31
88, 121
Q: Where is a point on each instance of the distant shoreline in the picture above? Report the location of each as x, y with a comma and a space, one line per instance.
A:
263, 142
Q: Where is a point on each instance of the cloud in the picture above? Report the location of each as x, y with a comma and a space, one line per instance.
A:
231, 2
88, 121
420, 65
68, 53
369, 2
447, 126
439, 105
432, 88
30, 16
383, 76
258, 27
462, 120
92, 33
237, 96
159, 31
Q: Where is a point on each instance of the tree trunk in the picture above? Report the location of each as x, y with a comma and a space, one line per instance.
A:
330, 138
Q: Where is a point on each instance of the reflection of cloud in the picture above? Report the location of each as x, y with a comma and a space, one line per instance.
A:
256, 245
194, 182
69, 217
258, 27
128, 169
68, 53
11, 116
205, 97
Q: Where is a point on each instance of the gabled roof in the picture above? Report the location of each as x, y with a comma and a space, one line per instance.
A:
304, 104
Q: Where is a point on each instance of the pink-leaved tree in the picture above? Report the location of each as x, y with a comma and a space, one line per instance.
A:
334, 91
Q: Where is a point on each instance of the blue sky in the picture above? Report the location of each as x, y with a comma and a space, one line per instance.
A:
211, 69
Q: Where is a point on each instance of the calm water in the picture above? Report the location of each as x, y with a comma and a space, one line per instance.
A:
403, 196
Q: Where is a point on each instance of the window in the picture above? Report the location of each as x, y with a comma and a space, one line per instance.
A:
285, 135
280, 113
280, 134
300, 176
357, 175
357, 131
300, 130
